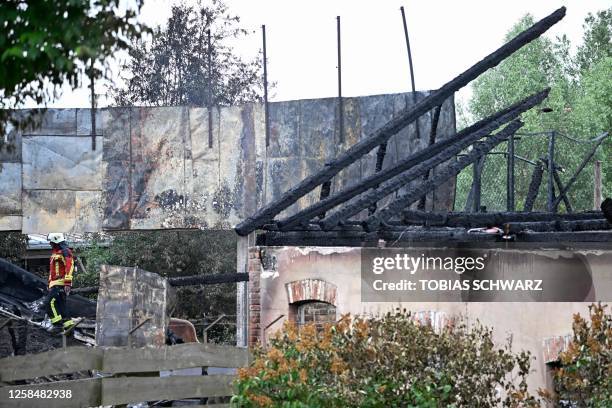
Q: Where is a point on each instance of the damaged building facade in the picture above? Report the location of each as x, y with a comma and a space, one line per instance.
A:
309, 204
313, 266
161, 168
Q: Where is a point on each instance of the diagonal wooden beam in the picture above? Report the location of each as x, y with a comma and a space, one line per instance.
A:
394, 184
599, 140
268, 212
427, 158
399, 203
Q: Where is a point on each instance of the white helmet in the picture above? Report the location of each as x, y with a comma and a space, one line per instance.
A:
56, 237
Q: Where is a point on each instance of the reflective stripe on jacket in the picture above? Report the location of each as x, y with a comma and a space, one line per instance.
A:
61, 267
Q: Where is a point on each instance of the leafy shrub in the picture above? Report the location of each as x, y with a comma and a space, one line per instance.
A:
387, 361
584, 378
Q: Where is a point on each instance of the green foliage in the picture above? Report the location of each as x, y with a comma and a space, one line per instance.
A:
173, 68
597, 40
581, 107
45, 44
13, 246
585, 376
387, 361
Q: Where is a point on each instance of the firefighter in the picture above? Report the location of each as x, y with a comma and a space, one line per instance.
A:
61, 267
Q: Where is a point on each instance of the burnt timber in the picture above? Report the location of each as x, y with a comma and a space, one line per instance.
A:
193, 280
268, 212
417, 164
354, 216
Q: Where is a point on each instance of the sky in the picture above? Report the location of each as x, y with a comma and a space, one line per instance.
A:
446, 37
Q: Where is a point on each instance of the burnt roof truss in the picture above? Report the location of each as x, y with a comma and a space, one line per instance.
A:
332, 220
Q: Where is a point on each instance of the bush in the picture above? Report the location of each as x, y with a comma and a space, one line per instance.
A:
584, 378
387, 361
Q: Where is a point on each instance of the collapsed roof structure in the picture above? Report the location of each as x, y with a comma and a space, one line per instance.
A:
351, 216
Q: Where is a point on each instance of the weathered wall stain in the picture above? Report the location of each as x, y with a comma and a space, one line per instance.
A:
155, 168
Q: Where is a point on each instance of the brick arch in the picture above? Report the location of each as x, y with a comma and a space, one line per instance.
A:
311, 290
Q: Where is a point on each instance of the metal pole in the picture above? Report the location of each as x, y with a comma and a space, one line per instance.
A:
477, 171
510, 175
93, 106
597, 186
340, 103
551, 164
414, 96
265, 79
210, 93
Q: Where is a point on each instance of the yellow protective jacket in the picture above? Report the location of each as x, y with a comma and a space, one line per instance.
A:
61, 267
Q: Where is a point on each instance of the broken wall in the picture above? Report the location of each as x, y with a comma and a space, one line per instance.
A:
280, 277
131, 308
154, 168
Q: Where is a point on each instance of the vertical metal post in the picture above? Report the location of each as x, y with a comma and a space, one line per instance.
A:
265, 79
596, 185
93, 105
340, 103
414, 96
242, 291
210, 92
477, 169
551, 164
510, 175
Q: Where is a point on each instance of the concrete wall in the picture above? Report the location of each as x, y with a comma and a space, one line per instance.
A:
536, 327
154, 169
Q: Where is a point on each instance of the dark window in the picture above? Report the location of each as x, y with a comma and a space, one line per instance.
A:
316, 312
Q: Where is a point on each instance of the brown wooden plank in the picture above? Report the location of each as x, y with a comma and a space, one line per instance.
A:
84, 393
134, 389
49, 363
123, 360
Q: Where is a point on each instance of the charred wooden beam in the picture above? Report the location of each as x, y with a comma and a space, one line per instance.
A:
606, 209
472, 220
468, 135
399, 181
437, 236
399, 203
432, 140
476, 189
585, 236
210, 279
566, 201
409, 115
585, 161
510, 175
557, 179
380, 158
325, 190
397, 236
551, 226
311, 238
193, 280
534, 187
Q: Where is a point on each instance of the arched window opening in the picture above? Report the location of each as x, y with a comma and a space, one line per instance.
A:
315, 312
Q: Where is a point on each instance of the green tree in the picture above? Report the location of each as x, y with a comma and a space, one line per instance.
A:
597, 40
580, 107
592, 111
13, 246
46, 44
173, 69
